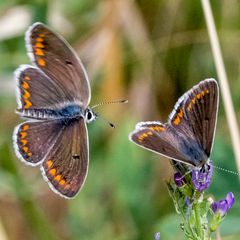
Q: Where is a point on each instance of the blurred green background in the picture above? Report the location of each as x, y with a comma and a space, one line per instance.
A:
149, 52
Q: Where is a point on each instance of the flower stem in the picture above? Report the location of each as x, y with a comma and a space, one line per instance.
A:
198, 220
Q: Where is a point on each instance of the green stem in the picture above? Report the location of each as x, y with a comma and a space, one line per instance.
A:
198, 221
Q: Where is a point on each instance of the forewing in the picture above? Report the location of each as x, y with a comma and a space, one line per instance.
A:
54, 56
65, 167
35, 90
34, 139
162, 139
201, 107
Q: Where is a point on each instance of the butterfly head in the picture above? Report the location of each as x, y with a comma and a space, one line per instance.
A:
90, 115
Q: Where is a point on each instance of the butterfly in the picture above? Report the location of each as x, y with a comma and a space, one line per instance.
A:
188, 135
53, 95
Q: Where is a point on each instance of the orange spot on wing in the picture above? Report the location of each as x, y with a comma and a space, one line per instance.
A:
39, 39
53, 171
189, 106
203, 93
62, 182
162, 129
180, 114
25, 127
157, 128
24, 142
41, 35
41, 62
58, 177
207, 91
140, 137
23, 134
176, 121
27, 78
25, 85
198, 96
28, 104
49, 163
194, 100
39, 52
26, 94
29, 154
25, 149
39, 45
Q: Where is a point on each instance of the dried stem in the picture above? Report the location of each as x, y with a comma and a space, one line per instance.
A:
224, 86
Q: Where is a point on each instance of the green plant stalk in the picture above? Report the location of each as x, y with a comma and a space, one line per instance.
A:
198, 221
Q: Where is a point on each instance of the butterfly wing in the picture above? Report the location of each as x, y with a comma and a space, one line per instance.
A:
65, 166
34, 139
55, 57
188, 135
36, 91
201, 107
165, 140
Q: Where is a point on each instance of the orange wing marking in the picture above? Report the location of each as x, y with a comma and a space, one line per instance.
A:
53, 172
28, 104
40, 39
39, 46
23, 134
62, 182
41, 62
150, 133
197, 97
178, 118
39, 52
58, 178
26, 96
25, 85
49, 163
24, 141
25, 149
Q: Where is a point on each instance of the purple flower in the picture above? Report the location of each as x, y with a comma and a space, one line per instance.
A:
157, 236
178, 179
202, 178
222, 207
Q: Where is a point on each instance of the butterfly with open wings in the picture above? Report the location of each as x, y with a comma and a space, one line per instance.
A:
53, 94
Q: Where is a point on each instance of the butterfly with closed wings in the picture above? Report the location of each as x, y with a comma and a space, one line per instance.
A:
188, 135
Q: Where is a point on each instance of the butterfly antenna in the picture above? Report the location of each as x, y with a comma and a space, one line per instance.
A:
105, 120
226, 170
109, 102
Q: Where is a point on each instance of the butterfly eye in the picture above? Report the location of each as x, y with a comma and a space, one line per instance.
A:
89, 116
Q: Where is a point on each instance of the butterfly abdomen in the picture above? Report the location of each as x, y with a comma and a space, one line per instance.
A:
70, 111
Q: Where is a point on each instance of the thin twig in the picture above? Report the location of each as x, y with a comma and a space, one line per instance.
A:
224, 86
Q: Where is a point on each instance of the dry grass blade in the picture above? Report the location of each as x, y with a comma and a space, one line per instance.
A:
224, 86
